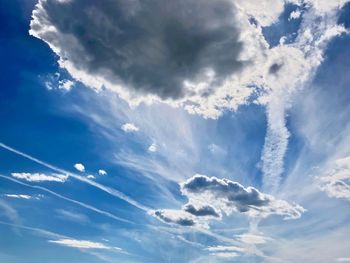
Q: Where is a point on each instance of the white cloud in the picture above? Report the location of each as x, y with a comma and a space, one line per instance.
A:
226, 249
336, 180
80, 167
19, 196
152, 148
266, 12
90, 176
294, 15
40, 177
65, 85
225, 254
253, 239
102, 172
84, 244
129, 127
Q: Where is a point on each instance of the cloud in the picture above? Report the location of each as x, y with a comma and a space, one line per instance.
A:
127, 44
226, 251
152, 148
80, 167
102, 172
40, 177
72, 216
252, 239
175, 216
129, 127
210, 197
225, 254
104, 188
19, 196
66, 85
294, 15
201, 211
336, 181
9, 212
84, 244
90, 177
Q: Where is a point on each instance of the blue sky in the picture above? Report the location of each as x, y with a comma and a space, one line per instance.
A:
133, 133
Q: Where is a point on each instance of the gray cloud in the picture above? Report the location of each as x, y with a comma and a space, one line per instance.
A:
210, 197
149, 46
275, 68
206, 210
170, 216
236, 194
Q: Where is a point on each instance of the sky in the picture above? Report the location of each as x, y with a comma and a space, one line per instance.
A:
174, 131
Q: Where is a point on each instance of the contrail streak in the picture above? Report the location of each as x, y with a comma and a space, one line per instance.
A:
68, 199
104, 188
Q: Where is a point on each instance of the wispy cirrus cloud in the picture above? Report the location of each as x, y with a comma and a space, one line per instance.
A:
83, 244
336, 181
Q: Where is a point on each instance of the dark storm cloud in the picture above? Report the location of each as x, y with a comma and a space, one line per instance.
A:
151, 46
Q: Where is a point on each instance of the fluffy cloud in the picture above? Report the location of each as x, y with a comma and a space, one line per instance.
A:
210, 197
146, 48
40, 177
85, 244
129, 127
102, 172
336, 181
80, 167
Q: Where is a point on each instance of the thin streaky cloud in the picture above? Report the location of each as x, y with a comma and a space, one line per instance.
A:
69, 200
104, 188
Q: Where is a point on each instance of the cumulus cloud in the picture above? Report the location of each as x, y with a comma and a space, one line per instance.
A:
145, 47
102, 172
210, 197
80, 167
84, 244
40, 177
129, 127
336, 181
